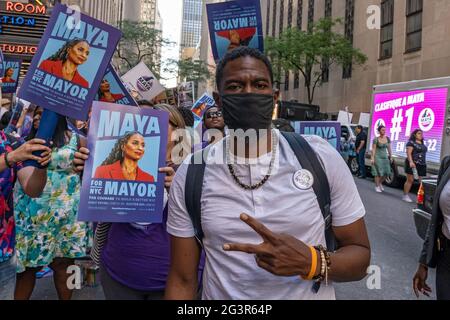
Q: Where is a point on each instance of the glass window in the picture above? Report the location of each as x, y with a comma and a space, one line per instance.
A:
414, 10
387, 29
299, 13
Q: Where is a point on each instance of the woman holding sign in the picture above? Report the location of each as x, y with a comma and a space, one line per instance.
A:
47, 230
381, 158
135, 259
65, 62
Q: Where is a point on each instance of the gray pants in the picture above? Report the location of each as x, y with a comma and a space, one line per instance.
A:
114, 290
443, 275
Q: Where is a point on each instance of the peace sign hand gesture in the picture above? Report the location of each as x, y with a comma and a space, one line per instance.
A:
280, 254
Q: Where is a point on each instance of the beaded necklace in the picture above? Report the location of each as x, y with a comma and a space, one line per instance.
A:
269, 172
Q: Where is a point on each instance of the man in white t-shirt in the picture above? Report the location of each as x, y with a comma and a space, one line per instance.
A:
263, 229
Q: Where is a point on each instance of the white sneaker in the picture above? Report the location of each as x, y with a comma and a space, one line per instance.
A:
382, 188
406, 198
378, 189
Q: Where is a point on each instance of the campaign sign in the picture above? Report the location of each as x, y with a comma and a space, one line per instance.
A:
234, 24
142, 82
121, 182
202, 104
403, 112
70, 63
1, 64
112, 89
328, 130
186, 94
11, 74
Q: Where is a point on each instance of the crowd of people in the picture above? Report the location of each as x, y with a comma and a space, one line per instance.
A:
262, 234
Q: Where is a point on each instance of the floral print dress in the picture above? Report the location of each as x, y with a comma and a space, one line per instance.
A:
47, 227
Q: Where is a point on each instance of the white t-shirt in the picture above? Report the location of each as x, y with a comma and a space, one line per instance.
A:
278, 204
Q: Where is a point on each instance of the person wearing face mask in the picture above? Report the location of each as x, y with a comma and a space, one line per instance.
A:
134, 258
263, 231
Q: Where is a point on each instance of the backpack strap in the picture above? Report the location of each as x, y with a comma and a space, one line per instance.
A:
193, 190
309, 160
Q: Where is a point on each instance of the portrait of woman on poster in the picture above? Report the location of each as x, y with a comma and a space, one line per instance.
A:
65, 62
238, 38
122, 162
105, 94
9, 73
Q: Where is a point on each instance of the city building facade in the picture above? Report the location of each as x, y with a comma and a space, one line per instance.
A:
403, 40
191, 27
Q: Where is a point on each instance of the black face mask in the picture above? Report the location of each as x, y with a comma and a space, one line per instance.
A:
247, 110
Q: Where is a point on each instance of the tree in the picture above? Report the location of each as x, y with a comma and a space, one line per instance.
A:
197, 71
140, 42
312, 52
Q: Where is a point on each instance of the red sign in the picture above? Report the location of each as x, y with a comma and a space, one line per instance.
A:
25, 8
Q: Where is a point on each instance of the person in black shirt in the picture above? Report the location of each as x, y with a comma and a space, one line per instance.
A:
416, 152
360, 145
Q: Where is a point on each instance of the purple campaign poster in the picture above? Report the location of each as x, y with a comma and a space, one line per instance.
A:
70, 62
328, 130
121, 181
403, 112
233, 24
112, 90
10, 78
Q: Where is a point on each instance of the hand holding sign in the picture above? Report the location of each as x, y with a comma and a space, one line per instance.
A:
280, 254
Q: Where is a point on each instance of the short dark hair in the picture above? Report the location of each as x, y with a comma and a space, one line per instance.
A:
237, 53
380, 127
360, 127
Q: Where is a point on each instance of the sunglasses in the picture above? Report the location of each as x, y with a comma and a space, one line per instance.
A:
216, 114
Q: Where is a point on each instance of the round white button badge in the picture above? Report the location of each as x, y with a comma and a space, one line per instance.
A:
303, 179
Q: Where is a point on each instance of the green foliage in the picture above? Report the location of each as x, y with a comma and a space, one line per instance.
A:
311, 52
140, 42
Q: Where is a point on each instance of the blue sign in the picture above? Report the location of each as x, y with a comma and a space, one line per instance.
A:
328, 130
70, 63
109, 193
10, 78
1, 63
234, 24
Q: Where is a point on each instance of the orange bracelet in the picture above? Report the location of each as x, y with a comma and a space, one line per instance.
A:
312, 272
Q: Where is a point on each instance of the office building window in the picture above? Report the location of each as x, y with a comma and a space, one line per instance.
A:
387, 29
274, 17
310, 14
268, 18
326, 62
280, 30
349, 27
299, 14
328, 8
296, 79
286, 80
414, 10
290, 13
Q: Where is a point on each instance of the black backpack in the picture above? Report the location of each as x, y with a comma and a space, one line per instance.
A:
307, 159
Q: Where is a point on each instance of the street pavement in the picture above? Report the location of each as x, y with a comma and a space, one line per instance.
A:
395, 250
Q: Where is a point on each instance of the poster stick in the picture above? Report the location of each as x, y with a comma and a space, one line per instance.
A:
46, 130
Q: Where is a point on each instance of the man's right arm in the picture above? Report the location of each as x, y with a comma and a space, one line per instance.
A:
185, 252
182, 281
